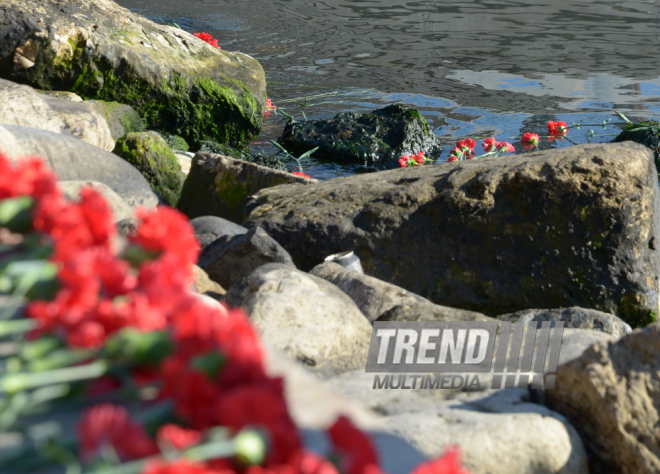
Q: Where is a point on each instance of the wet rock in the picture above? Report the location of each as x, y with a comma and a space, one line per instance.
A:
305, 317
497, 431
210, 228
381, 136
120, 209
220, 186
611, 395
427, 311
100, 50
258, 159
75, 160
121, 118
573, 318
22, 105
558, 228
231, 257
150, 155
373, 296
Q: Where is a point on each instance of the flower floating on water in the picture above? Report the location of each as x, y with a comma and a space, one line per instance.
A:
208, 38
557, 130
299, 173
529, 140
417, 159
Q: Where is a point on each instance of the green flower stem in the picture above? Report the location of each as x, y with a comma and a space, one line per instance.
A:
202, 452
59, 359
12, 383
16, 326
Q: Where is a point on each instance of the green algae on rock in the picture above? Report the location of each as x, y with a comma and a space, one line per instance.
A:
121, 118
99, 50
149, 153
381, 136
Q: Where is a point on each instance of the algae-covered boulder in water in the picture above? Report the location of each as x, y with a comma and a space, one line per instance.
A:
578, 226
381, 136
99, 50
646, 133
149, 153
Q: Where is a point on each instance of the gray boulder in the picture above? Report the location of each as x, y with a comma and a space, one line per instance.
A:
210, 228
22, 105
496, 431
100, 50
120, 209
305, 317
573, 318
426, 311
559, 228
611, 395
373, 296
230, 258
75, 160
220, 186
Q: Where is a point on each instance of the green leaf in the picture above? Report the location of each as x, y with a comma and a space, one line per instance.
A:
15, 214
210, 364
623, 117
137, 347
308, 153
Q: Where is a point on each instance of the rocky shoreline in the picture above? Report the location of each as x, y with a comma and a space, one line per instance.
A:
112, 99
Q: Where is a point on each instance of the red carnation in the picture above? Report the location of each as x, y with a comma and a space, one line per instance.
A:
178, 436
208, 38
111, 425
299, 173
356, 453
505, 147
448, 463
489, 144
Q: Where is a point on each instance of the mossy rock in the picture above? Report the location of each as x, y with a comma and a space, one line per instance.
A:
178, 83
381, 136
149, 153
175, 142
268, 161
122, 119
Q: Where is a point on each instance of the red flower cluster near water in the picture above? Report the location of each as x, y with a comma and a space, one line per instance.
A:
491, 145
557, 129
464, 150
299, 173
417, 159
208, 38
214, 371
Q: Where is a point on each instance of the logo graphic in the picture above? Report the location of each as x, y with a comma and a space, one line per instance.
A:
464, 354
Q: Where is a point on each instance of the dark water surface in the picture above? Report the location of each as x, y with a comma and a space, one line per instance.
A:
473, 68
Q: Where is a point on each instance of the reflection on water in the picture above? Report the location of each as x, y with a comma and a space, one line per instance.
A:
472, 66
